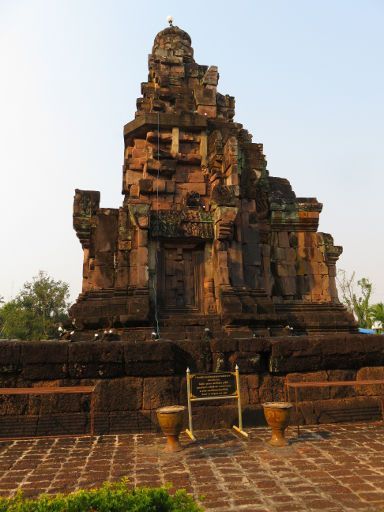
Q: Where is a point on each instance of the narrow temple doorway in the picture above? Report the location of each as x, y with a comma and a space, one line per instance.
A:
180, 277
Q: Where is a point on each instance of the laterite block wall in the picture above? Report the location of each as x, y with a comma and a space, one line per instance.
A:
133, 379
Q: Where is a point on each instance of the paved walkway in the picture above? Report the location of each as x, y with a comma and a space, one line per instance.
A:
329, 468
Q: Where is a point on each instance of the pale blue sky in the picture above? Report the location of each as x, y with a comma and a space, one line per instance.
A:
308, 78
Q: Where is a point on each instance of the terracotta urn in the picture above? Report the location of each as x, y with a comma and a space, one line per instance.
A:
170, 419
277, 415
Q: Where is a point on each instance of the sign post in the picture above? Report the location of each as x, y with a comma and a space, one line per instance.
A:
213, 386
189, 430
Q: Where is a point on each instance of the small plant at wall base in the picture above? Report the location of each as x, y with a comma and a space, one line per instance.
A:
377, 314
111, 497
36, 310
358, 302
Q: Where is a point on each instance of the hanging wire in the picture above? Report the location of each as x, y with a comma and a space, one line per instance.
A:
155, 276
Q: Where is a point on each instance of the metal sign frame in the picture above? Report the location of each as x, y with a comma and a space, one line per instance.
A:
192, 398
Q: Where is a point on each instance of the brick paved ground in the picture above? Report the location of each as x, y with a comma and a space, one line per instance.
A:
329, 468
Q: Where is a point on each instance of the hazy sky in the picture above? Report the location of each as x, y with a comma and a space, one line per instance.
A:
308, 78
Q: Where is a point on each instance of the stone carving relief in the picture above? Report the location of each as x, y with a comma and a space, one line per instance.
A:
185, 223
225, 195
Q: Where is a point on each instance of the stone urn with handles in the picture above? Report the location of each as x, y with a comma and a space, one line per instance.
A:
170, 419
277, 415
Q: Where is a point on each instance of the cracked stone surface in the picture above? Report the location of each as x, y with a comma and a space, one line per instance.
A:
331, 468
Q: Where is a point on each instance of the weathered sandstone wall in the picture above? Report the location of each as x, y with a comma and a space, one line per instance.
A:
133, 379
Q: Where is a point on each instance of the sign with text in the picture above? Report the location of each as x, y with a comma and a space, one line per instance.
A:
211, 385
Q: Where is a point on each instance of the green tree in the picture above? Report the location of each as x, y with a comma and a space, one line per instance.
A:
37, 309
377, 313
356, 302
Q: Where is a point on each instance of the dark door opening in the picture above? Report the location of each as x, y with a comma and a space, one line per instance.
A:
180, 278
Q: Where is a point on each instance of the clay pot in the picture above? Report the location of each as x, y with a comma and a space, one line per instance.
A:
170, 419
277, 415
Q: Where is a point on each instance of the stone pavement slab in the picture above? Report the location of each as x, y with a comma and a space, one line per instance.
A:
333, 468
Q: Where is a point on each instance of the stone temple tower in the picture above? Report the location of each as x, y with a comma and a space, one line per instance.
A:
205, 237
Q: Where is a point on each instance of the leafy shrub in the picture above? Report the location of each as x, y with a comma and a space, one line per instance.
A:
114, 497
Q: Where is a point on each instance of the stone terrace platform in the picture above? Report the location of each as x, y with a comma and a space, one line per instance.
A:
329, 468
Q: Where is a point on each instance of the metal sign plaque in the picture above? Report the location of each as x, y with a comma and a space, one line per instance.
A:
211, 385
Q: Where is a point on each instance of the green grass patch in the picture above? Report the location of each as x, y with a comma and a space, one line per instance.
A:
110, 497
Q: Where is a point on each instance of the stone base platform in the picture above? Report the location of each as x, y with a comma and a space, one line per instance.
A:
134, 378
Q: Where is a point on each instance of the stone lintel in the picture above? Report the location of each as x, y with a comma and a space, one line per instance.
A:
145, 122
301, 204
